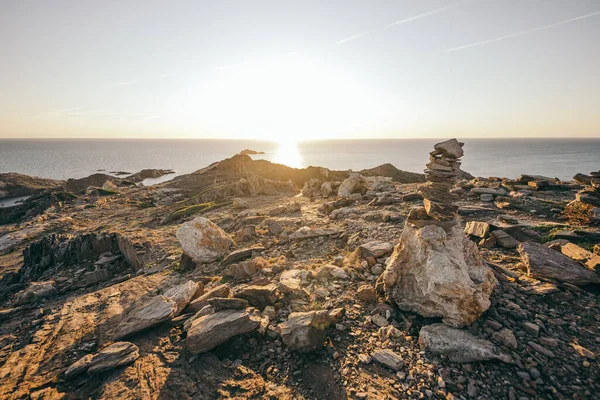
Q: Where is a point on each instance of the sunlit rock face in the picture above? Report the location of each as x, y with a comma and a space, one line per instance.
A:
435, 269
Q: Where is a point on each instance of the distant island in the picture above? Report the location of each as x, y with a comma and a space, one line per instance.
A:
251, 152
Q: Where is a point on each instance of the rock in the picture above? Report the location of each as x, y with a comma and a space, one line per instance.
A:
203, 241
182, 295
326, 189
305, 331
439, 274
388, 358
331, 271
312, 187
274, 227
549, 264
241, 254
240, 204
412, 197
506, 337
583, 352
541, 349
128, 250
202, 301
375, 249
113, 356
366, 293
485, 197
450, 148
355, 183
154, 311
503, 239
211, 330
228, 303
307, 233
36, 291
379, 320
492, 191
458, 345
108, 185
532, 329
478, 229
243, 270
588, 259
258, 296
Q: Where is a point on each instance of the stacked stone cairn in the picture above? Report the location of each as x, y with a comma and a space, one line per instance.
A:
442, 171
435, 269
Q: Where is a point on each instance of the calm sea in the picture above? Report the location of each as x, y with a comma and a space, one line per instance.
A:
62, 159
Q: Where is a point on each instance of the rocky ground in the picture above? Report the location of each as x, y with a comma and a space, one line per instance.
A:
278, 296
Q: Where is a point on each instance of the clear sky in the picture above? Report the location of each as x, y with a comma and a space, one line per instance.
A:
273, 69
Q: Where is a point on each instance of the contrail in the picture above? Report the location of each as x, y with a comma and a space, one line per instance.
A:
522, 32
402, 21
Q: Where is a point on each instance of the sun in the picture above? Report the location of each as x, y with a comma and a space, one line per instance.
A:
288, 154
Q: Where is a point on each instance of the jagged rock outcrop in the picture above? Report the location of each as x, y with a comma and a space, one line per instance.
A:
435, 269
16, 185
203, 241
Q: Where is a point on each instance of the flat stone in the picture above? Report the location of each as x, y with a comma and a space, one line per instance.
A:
202, 301
388, 358
550, 264
440, 211
209, 331
587, 258
258, 296
375, 249
458, 345
492, 191
503, 239
532, 329
228, 303
153, 312
241, 254
113, 356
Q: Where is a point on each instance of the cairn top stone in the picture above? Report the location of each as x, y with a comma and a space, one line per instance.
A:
450, 148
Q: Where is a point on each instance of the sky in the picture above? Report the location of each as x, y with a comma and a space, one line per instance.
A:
297, 70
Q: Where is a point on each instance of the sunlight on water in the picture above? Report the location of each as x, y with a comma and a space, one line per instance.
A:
288, 154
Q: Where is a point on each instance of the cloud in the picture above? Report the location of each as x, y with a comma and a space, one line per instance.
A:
403, 21
512, 35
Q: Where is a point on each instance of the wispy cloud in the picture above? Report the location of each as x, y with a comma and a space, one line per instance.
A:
403, 21
127, 82
512, 35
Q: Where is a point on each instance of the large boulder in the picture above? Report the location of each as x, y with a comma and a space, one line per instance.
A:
544, 262
458, 345
355, 183
158, 309
305, 331
203, 241
211, 330
438, 274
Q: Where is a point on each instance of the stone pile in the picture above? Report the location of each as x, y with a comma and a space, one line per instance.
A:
435, 269
590, 195
441, 173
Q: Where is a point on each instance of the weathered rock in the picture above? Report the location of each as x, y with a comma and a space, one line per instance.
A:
113, 356
307, 233
202, 301
435, 273
312, 187
331, 271
375, 249
305, 331
241, 254
355, 183
458, 345
388, 358
211, 330
450, 148
240, 204
228, 303
546, 263
587, 258
367, 293
182, 295
258, 296
326, 189
203, 241
156, 310
506, 337
36, 291
503, 239
478, 229
243, 270
492, 191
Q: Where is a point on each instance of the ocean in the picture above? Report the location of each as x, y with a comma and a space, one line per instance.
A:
77, 158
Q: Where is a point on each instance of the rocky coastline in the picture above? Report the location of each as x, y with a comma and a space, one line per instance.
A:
251, 280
